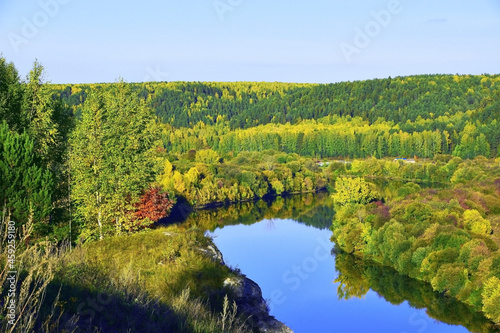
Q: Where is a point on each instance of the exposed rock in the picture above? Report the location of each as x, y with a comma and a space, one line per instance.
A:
214, 253
248, 297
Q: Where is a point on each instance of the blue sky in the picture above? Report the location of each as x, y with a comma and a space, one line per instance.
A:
250, 40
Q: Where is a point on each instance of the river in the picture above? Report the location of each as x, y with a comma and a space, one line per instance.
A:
285, 247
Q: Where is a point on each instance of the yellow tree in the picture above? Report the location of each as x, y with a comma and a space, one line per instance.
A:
491, 299
474, 222
353, 190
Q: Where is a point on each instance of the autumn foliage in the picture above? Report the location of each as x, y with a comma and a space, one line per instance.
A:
153, 205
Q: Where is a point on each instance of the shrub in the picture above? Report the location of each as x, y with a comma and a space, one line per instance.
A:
153, 206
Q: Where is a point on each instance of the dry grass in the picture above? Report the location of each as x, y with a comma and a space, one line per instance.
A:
34, 270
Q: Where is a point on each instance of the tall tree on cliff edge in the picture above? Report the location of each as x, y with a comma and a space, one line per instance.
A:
112, 159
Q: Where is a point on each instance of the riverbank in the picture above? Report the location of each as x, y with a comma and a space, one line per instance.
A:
448, 237
162, 280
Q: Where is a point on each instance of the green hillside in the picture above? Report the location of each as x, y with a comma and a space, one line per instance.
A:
445, 111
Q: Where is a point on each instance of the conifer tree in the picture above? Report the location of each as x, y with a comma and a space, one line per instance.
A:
25, 185
10, 95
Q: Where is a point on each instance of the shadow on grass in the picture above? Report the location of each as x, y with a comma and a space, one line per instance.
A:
84, 310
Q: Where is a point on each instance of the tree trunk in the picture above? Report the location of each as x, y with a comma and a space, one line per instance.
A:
99, 223
99, 216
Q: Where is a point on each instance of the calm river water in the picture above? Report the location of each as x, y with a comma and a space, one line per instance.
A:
285, 247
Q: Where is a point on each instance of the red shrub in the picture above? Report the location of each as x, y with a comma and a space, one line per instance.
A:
154, 205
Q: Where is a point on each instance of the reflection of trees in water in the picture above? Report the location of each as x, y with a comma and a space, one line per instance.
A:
311, 209
356, 277
321, 216
270, 225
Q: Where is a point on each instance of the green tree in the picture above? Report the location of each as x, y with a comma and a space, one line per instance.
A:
474, 222
112, 158
87, 163
353, 190
10, 95
207, 156
482, 147
277, 186
132, 136
25, 185
451, 278
38, 115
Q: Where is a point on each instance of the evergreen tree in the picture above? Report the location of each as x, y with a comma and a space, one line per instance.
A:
25, 185
10, 95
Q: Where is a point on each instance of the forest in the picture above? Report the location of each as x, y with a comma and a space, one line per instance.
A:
404, 116
85, 165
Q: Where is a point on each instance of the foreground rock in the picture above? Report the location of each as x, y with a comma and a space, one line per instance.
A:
213, 252
248, 297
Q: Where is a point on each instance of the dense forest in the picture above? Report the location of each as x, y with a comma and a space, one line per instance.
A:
405, 116
85, 166
247, 104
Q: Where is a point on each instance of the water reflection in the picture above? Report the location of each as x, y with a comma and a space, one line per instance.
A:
314, 210
356, 277
288, 244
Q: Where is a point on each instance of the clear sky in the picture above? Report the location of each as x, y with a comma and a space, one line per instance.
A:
250, 40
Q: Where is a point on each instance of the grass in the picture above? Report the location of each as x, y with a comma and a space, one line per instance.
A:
155, 281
